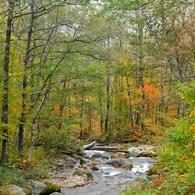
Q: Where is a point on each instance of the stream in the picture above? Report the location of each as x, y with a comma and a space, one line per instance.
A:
112, 180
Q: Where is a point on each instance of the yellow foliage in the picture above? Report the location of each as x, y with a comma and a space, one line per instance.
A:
192, 128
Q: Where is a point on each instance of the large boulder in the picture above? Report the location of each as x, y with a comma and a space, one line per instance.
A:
37, 187
116, 162
51, 187
12, 190
40, 188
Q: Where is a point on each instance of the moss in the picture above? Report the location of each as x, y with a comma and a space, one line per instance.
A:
26, 191
152, 171
52, 187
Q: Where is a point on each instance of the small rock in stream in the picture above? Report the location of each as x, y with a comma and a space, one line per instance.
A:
117, 155
84, 161
94, 168
99, 155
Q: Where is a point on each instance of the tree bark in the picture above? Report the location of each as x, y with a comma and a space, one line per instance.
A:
141, 69
33, 128
81, 115
107, 104
130, 103
5, 100
25, 82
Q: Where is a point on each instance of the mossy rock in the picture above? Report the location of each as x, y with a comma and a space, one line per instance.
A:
26, 191
81, 172
152, 171
51, 187
127, 155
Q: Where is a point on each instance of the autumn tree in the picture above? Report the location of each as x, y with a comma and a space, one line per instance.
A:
5, 101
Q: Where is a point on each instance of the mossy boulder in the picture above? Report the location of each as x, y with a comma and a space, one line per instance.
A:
51, 187
37, 187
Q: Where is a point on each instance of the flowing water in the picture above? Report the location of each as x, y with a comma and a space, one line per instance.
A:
112, 181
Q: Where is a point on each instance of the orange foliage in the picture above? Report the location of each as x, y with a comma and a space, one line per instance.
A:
151, 92
95, 125
172, 112
14, 110
56, 109
157, 182
136, 131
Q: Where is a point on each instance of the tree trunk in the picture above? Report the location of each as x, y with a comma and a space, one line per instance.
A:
130, 103
89, 117
5, 100
62, 104
107, 104
33, 128
101, 114
141, 70
25, 82
81, 115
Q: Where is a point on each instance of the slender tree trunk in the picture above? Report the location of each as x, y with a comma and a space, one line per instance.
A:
33, 127
5, 100
81, 115
107, 104
62, 105
143, 104
101, 114
89, 118
130, 103
141, 70
25, 82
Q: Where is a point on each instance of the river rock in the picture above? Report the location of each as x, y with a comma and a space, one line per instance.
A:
128, 166
37, 187
94, 168
154, 176
117, 155
99, 155
142, 150
116, 162
51, 187
12, 190
65, 162
69, 159
84, 161
60, 162
81, 172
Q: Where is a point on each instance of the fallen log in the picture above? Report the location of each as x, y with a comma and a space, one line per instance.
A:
88, 146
